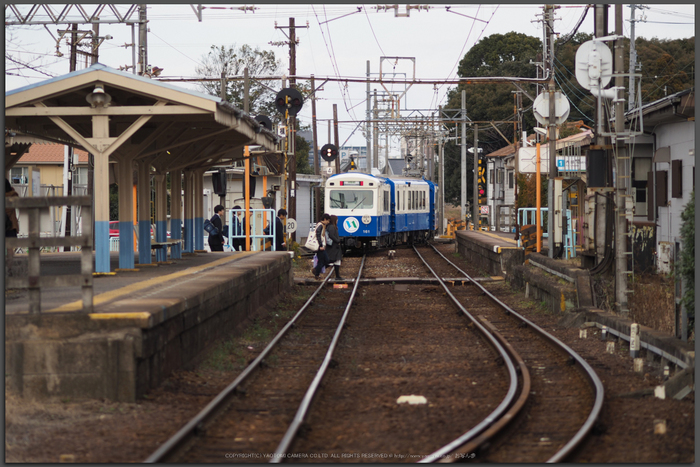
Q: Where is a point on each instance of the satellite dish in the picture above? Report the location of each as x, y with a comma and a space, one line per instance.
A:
594, 65
541, 108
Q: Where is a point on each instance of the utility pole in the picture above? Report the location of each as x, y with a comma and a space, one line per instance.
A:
368, 132
475, 188
375, 135
292, 127
69, 149
291, 130
551, 195
622, 175
336, 137
463, 199
317, 163
633, 59
143, 40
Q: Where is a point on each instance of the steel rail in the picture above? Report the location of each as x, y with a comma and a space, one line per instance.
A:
593, 378
507, 401
192, 427
313, 387
509, 416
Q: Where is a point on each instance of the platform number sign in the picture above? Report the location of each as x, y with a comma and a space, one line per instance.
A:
291, 225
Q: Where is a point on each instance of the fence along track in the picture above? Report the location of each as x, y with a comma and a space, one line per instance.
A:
196, 426
507, 401
587, 370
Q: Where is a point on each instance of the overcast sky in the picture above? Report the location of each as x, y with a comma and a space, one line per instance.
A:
338, 42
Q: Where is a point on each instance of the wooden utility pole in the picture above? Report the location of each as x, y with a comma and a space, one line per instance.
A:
291, 168
292, 128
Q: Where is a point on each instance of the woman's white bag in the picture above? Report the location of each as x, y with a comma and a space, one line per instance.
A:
311, 240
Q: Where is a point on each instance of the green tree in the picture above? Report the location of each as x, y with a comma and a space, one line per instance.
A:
232, 61
302, 154
667, 66
686, 265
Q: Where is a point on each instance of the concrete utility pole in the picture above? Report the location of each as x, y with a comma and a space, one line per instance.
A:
375, 135
549, 25
633, 55
368, 132
336, 137
143, 40
463, 199
622, 175
475, 189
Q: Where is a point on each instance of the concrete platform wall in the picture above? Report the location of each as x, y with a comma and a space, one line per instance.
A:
491, 255
120, 358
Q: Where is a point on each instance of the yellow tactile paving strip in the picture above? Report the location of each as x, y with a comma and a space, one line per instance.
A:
130, 289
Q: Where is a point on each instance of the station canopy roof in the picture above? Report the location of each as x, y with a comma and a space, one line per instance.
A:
171, 127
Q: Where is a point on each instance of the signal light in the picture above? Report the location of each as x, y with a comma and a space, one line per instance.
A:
329, 152
289, 100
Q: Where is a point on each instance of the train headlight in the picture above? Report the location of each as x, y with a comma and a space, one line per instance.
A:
366, 219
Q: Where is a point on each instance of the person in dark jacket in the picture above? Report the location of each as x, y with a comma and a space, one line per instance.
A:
333, 249
216, 242
280, 244
321, 253
11, 221
237, 243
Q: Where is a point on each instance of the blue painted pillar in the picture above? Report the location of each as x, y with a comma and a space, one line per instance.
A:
144, 212
176, 212
199, 210
161, 222
189, 213
100, 131
126, 212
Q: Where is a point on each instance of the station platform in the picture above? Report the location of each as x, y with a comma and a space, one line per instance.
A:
566, 289
493, 252
146, 322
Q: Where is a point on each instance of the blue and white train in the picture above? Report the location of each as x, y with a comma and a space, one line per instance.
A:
378, 212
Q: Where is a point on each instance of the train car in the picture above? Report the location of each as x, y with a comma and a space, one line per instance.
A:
376, 212
413, 209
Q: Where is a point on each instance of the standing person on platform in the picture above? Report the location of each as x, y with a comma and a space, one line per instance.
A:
11, 221
321, 253
333, 249
280, 244
238, 244
216, 242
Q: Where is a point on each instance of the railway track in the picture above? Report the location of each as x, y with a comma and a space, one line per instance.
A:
400, 340
560, 394
256, 417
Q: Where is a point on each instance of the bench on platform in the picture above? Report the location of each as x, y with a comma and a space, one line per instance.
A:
154, 244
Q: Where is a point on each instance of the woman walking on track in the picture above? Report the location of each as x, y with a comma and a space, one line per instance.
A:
321, 253
333, 249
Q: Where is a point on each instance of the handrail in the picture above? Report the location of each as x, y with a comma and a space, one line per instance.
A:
34, 242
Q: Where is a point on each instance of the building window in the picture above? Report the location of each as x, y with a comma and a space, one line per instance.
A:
661, 188
510, 179
677, 178
80, 176
19, 175
491, 176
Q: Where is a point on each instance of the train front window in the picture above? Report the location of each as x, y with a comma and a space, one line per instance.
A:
352, 199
